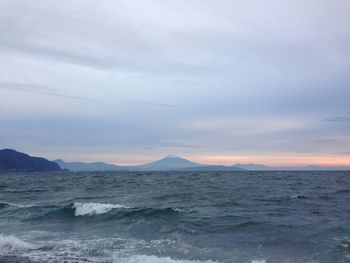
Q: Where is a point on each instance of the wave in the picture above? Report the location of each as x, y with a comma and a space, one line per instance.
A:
76, 251
83, 209
180, 210
88, 210
343, 191
284, 198
155, 259
12, 244
5, 205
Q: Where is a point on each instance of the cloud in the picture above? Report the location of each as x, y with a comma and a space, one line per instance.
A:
338, 119
40, 89
223, 77
343, 153
49, 91
107, 42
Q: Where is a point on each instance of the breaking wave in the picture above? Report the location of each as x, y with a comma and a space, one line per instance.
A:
154, 259
82, 209
5, 205
12, 244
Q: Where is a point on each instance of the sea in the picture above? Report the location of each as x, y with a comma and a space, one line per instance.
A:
175, 217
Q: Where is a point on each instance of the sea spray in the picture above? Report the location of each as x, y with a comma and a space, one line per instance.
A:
11, 244
155, 259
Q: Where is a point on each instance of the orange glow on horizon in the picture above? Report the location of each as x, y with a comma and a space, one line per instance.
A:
277, 160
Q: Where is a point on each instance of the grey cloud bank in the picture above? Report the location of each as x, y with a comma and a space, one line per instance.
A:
152, 77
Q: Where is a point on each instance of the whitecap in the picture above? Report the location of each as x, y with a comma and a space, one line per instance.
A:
155, 259
179, 210
17, 205
12, 244
82, 209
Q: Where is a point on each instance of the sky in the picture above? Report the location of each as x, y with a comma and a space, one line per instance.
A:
221, 82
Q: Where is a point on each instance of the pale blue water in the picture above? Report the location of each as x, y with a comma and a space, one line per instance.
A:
175, 217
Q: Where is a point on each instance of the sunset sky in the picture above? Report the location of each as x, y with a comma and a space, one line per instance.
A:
222, 81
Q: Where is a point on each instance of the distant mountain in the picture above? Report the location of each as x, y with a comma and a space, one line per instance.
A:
13, 161
96, 166
168, 163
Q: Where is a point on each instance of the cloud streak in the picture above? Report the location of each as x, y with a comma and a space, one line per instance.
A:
40, 89
49, 91
338, 119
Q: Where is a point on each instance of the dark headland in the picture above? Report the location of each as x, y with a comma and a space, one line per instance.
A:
13, 161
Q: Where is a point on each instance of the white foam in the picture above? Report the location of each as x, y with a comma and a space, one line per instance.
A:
154, 259
18, 205
11, 244
258, 261
179, 210
82, 209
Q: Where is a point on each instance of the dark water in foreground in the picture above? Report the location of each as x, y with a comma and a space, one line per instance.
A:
253, 217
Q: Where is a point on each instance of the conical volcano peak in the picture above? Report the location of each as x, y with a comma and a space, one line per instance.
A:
169, 162
171, 156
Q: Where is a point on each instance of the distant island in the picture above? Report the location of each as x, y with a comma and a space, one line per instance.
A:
13, 161
168, 163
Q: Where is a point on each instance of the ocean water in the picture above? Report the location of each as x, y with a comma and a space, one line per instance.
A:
175, 217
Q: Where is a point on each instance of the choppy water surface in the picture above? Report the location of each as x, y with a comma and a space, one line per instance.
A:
253, 217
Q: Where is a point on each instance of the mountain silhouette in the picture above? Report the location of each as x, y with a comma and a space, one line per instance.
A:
13, 161
169, 162
95, 166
